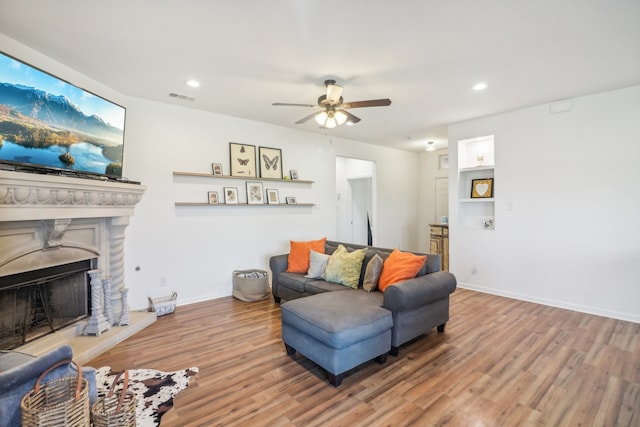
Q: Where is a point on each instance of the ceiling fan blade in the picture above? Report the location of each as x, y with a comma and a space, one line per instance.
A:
307, 118
286, 104
351, 117
369, 103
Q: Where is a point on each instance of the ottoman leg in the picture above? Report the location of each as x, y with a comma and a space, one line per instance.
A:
290, 350
335, 380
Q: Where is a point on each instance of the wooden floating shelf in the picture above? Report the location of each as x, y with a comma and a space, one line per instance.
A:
244, 205
244, 178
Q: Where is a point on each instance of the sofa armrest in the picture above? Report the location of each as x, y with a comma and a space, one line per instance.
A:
277, 264
419, 291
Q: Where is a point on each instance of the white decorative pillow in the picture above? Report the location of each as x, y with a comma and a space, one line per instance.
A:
317, 264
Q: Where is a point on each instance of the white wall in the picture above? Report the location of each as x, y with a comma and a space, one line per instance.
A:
196, 249
567, 229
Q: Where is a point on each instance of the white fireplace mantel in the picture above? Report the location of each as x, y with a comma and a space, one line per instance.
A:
27, 196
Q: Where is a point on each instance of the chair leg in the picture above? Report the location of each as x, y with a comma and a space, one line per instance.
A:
441, 328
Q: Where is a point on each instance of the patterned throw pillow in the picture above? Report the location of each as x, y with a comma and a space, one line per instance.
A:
317, 264
372, 273
344, 267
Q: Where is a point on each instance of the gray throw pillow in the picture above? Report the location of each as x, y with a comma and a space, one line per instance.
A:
372, 273
317, 264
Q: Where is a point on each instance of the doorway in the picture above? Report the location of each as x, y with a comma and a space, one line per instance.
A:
442, 199
355, 187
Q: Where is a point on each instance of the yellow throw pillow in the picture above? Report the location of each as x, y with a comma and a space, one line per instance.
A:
400, 266
344, 267
298, 260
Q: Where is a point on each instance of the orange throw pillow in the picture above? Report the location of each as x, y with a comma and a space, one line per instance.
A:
400, 266
298, 260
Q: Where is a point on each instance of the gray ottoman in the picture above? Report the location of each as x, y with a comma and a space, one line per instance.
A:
337, 330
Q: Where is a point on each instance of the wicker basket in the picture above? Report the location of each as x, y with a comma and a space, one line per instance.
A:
117, 408
164, 305
250, 285
60, 402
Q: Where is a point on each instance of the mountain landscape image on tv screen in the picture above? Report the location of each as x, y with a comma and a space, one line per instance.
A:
49, 123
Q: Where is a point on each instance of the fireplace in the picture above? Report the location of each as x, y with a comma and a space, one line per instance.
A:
53, 229
42, 301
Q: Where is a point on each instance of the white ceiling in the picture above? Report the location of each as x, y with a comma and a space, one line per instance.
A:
423, 55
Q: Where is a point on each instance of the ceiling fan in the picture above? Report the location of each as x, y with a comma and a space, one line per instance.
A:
333, 108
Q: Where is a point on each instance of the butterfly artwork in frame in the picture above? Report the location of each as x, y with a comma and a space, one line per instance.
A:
270, 162
242, 159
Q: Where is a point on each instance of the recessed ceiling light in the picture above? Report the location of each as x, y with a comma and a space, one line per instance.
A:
480, 86
430, 146
193, 83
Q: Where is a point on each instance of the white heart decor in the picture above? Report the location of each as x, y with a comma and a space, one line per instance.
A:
482, 189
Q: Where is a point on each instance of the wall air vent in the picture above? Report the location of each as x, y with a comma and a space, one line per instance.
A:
181, 97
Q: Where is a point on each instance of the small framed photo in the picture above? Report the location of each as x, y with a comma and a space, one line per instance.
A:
482, 188
242, 158
231, 195
254, 193
213, 197
291, 200
270, 162
272, 196
293, 174
216, 168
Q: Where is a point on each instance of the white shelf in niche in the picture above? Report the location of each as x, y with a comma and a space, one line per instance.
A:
479, 200
476, 168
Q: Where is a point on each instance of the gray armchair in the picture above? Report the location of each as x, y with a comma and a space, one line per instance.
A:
19, 372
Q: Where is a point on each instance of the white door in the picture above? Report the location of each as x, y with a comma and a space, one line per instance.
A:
360, 208
442, 198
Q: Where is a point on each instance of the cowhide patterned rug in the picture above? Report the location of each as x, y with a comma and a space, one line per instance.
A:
155, 390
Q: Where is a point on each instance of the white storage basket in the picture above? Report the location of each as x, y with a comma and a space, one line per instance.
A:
164, 305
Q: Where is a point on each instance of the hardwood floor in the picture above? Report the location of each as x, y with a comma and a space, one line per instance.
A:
501, 362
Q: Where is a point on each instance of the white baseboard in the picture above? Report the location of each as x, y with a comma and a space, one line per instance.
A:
629, 317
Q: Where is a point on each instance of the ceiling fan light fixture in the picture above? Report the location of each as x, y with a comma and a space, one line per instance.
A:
331, 120
333, 93
340, 117
321, 118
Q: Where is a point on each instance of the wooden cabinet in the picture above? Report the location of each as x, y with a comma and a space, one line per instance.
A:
439, 243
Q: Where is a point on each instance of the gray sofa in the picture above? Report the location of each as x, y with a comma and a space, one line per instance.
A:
416, 305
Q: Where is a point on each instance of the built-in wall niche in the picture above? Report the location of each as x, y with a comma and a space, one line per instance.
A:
476, 181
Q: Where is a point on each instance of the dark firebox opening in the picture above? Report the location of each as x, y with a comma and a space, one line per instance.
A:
39, 302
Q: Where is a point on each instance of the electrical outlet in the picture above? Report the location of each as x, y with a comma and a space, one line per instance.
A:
163, 281
474, 269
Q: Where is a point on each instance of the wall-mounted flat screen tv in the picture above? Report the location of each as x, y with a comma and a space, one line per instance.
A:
48, 124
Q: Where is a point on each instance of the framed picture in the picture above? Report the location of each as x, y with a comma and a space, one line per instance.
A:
216, 168
293, 174
270, 162
482, 188
231, 195
213, 197
291, 200
254, 193
272, 196
242, 158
